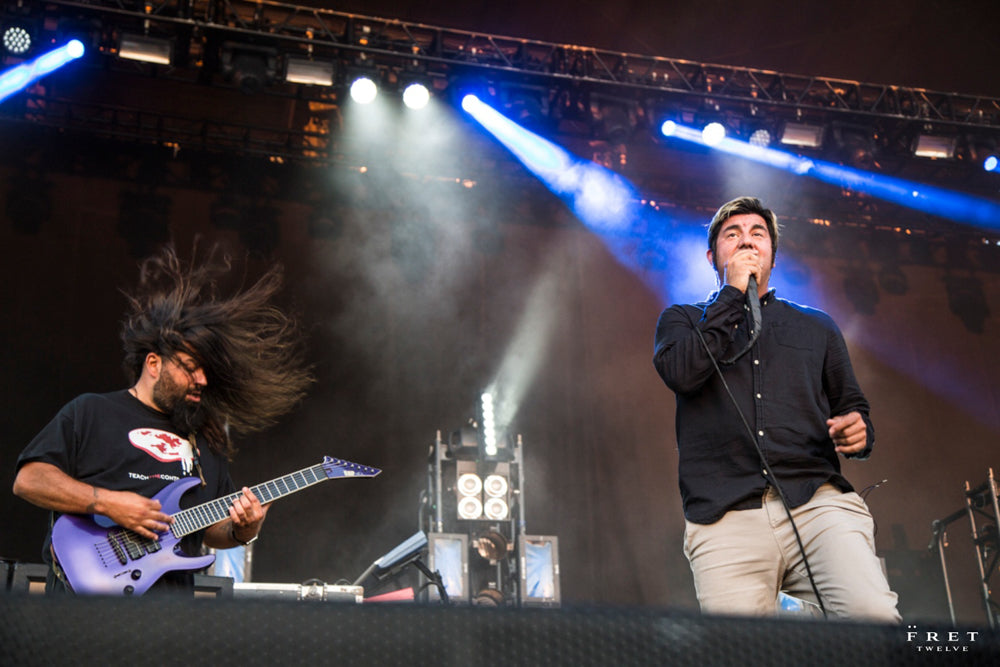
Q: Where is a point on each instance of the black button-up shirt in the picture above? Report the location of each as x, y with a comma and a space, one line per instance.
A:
796, 376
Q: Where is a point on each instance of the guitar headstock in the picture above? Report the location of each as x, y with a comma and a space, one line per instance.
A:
340, 468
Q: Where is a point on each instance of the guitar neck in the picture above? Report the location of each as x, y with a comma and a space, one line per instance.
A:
207, 514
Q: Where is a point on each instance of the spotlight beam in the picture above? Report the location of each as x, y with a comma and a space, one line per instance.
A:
18, 78
919, 196
600, 198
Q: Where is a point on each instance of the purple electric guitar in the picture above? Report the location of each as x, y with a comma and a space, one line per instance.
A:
100, 557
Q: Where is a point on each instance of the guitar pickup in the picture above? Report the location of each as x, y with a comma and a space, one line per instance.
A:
152, 546
133, 547
117, 547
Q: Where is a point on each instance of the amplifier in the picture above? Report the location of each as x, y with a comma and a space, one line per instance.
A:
317, 591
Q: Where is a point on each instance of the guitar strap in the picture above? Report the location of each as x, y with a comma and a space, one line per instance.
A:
197, 458
56, 568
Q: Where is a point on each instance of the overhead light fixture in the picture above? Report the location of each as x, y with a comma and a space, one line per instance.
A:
17, 38
855, 144
364, 90
528, 106
760, 137
416, 95
713, 133
248, 66
802, 135
935, 146
16, 79
146, 49
615, 122
991, 163
309, 72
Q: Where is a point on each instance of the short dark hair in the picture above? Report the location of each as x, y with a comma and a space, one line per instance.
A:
741, 206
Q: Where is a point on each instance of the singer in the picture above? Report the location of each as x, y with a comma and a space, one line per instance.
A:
761, 409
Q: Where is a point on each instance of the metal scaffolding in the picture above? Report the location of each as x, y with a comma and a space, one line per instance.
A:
983, 512
322, 33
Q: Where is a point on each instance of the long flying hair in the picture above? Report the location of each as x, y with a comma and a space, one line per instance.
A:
252, 352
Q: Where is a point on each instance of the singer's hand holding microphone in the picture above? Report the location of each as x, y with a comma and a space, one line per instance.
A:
743, 264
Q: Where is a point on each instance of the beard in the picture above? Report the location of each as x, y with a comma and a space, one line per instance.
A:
185, 416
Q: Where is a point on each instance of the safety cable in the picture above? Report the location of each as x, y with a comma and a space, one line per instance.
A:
772, 479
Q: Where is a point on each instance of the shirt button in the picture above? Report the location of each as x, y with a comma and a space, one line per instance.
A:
758, 396
756, 362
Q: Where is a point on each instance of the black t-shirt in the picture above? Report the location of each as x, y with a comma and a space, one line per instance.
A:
115, 441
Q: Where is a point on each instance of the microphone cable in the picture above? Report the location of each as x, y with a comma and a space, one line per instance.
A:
753, 301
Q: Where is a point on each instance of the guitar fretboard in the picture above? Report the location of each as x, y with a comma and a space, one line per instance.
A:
202, 516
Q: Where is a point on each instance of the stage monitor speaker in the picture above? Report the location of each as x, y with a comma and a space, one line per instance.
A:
182, 631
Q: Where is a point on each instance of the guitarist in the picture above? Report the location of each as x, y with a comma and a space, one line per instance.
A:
201, 367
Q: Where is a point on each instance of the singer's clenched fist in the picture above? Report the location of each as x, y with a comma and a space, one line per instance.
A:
848, 432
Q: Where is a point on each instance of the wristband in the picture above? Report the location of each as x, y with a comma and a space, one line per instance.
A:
232, 534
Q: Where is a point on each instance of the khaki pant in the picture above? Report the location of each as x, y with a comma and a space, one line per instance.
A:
742, 561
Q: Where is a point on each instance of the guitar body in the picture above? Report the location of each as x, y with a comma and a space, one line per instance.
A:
90, 550
99, 557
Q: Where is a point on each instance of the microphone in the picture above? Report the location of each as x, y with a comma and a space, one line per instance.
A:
936, 527
753, 304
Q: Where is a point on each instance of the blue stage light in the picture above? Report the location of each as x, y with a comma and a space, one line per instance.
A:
668, 128
929, 199
600, 198
991, 163
22, 76
713, 133
471, 103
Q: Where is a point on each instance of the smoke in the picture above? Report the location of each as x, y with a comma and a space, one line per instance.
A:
527, 348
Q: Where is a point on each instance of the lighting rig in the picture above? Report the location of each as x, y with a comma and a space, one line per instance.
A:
475, 523
276, 49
